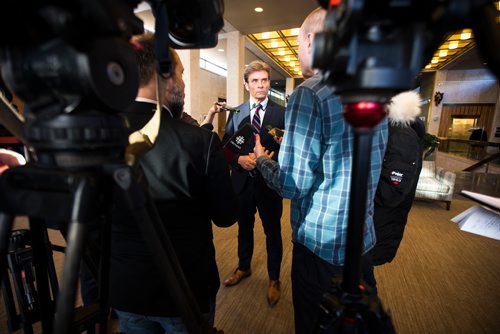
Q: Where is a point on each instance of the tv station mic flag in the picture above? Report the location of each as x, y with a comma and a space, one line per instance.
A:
233, 146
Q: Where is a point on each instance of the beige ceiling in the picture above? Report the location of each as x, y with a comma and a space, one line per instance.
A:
240, 15
277, 14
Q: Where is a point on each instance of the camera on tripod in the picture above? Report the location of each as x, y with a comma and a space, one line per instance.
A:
73, 65
368, 52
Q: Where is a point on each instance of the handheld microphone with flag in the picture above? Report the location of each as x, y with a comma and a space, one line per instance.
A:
275, 132
233, 146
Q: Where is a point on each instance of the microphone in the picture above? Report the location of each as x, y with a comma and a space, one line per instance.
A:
233, 146
275, 132
228, 108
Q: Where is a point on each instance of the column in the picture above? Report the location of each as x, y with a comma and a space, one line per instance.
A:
290, 86
434, 116
235, 67
191, 62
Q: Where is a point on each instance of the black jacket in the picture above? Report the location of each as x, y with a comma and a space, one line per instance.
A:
396, 188
274, 116
189, 180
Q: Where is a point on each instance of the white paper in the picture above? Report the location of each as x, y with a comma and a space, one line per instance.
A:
479, 220
489, 200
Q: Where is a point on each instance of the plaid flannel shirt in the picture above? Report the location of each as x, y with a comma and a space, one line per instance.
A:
315, 168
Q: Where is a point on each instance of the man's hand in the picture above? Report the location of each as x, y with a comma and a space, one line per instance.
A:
278, 139
211, 113
247, 162
260, 150
10, 158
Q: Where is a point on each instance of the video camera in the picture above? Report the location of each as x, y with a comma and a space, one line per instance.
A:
368, 52
72, 62
372, 50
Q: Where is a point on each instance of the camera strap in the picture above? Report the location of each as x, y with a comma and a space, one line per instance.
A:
164, 63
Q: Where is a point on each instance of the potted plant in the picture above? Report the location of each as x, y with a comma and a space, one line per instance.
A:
430, 144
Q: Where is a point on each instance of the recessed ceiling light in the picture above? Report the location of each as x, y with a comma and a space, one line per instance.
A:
295, 31
265, 35
443, 53
259, 9
220, 50
453, 45
465, 35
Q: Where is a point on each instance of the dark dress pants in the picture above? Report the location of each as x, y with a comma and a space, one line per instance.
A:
256, 195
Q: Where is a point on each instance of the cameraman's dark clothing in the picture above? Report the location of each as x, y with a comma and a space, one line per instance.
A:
189, 181
396, 188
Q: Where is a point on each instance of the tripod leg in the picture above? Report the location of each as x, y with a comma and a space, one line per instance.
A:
74, 250
10, 306
104, 266
6, 222
66, 300
357, 209
42, 256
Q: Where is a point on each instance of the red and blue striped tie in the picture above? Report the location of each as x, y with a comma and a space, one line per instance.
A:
256, 119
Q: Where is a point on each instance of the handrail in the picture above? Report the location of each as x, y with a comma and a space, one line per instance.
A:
471, 142
482, 162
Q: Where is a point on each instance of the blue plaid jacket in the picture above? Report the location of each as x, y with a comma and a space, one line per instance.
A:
314, 170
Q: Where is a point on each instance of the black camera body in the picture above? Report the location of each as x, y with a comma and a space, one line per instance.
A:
372, 50
66, 51
73, 65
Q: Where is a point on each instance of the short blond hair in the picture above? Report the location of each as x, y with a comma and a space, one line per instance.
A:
256, 66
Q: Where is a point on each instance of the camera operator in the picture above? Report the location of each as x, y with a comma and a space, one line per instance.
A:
314, 171
189, 180
398, 179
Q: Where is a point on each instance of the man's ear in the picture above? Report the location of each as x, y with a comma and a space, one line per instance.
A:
246, 86
310, 40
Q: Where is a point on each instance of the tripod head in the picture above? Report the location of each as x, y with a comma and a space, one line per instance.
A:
371, 50
73, 65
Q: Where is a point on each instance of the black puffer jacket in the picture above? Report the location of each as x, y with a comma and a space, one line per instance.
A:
396, 188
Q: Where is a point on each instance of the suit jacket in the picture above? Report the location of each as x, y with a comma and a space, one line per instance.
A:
274, 116
188, 177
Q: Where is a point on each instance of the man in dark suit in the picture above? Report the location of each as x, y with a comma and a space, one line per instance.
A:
252, 191
188, 177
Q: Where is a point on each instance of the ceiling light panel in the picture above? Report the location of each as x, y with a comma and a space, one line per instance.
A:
281, 46
453, 46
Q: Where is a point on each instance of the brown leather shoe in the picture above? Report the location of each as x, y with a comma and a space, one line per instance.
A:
273, 292
237, 276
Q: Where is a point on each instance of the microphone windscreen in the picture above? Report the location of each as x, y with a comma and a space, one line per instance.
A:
233, 146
